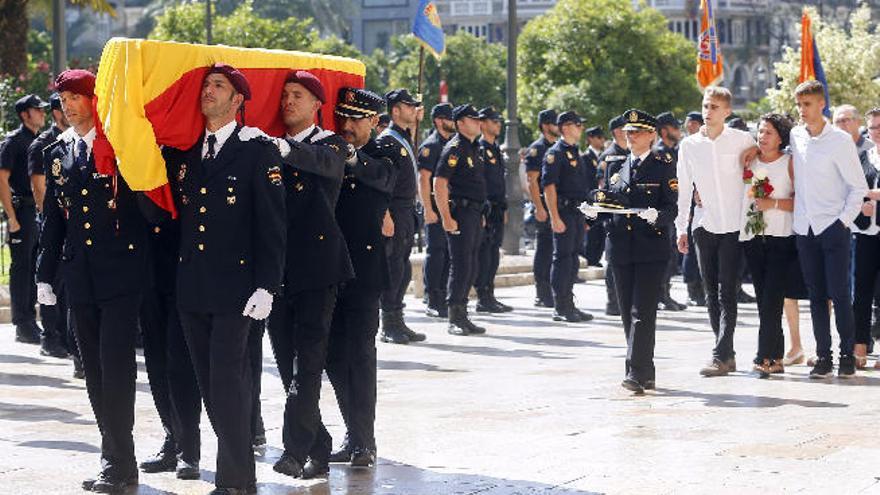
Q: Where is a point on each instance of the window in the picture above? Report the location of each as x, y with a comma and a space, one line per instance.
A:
385, 3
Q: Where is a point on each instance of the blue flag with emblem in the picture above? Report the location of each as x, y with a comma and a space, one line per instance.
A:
427, 29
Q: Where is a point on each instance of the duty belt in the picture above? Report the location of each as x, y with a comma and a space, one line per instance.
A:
569, 203
466, 203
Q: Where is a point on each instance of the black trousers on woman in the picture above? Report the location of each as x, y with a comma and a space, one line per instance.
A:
769, 260
867, 267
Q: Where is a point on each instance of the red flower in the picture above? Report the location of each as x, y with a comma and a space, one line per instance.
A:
768, 189
747, 175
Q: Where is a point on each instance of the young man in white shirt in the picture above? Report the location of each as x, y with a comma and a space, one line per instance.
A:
829, 191
708, 161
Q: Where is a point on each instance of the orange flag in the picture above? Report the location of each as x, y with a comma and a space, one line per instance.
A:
710, 69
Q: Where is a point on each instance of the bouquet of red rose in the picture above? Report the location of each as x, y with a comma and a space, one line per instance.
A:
759, 187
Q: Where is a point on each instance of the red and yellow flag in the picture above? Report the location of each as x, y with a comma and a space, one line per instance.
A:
710, 68
147, 96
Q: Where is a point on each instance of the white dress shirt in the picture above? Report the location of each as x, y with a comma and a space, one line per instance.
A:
830, 184
713, 166
71, 137
222, 134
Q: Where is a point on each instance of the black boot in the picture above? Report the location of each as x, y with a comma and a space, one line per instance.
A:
696, 295
26, 334
668, 303
436, 305
458, 322
391, 331
485, 304
503, 308
412, 335
565, 311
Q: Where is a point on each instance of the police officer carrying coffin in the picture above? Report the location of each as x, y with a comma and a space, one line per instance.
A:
230, 196
436, 267
58, 337
594, 245
567, 182
351, 358
638, 245
18, 204
496, 213
544, 239
95, 236
613, 158
460, 189
669, 132
316, 263
400, 222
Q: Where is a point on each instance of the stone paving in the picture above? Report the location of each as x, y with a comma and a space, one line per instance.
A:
533, 407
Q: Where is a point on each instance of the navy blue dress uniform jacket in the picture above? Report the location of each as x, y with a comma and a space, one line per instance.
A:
317, 255
232, 232
653, 184
366, 193
94, 234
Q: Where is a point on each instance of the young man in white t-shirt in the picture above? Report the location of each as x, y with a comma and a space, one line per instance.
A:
709, 162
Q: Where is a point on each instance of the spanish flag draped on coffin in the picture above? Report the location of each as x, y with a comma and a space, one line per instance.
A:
147, 96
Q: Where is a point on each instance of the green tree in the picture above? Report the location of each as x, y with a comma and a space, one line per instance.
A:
474, 70
850, 57
601, 57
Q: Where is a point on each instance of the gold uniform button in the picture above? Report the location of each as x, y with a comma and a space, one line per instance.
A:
201, 228
321, 237
84, 192
202, 209
369, 247
157, 229
87, 225
85, 209
629, 227
180, 259
131, 247
201, 247
203, 191
88, 242
240, 262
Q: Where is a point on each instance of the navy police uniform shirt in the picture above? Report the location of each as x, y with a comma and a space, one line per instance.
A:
429, 151
35, 164
14, 157
650, 183
94, 235
496, 171
535, 156
405, 184
564, 168
462, 165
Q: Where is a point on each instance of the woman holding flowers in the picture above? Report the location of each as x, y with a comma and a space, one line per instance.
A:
767, 235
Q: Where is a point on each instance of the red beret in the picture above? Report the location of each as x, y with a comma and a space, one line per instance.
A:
309, 81
77, 81
236, 78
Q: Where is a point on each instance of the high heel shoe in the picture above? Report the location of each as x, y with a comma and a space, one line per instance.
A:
792, 360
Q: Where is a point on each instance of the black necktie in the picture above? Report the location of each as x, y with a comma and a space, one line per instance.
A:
212, 140
81, 159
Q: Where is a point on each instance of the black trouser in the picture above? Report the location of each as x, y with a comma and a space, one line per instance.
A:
398, 249
436, 270
867, 268
825, 262
565, 255
769, 261
464, 249
218, 347
255, 355
351, 363
719, 259
299, 329
489, 256
172, 377
543, 260
106, 333
595, 244
610, 289
22, 251
638, 291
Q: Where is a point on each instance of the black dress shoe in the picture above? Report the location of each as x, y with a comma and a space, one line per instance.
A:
26, 334
289, 466
584, 315
650, 385
259, 440
162, 462
50, 347
612, 310
341, 455
188, 471
315, 469
543, 303
113, 484
633, 385
568, 315
363, 458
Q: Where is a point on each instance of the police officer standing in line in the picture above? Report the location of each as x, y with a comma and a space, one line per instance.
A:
170, 371
95, 237
57, 339
400, 221
496, 212
316, 264
460, 189
567, 183
613, 158
230, 196
436, 269
594, 245
544, 239
669, 132
351, 357
18, 204
638, 245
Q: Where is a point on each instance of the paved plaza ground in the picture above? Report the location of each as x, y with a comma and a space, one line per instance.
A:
532, 407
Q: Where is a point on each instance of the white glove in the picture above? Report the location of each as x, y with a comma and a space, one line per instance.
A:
590, 212
247, 133
259, 305
45, 295
649, 215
